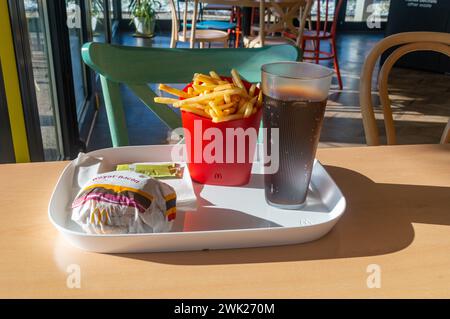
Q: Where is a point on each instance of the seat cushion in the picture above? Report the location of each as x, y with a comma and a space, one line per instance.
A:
313, 34
206, 35
269, 40
211, 6
217, 25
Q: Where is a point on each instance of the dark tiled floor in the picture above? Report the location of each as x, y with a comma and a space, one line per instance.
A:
420, 100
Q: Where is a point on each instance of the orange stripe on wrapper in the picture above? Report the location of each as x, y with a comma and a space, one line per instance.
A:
171, 213
170, 197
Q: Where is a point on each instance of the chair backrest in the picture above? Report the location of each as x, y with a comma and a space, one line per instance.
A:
136, 67
407, 42
175, 15
325, 25
286, 12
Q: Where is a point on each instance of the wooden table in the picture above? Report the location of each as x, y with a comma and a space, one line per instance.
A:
259, 41
234, 3
398, 217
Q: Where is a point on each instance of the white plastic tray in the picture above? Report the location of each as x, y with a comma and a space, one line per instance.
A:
226, 217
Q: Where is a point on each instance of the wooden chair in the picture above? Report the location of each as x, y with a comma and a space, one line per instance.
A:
407, 42
323, 32
283, 13
233, 26
202, 36
254, 16
136, 67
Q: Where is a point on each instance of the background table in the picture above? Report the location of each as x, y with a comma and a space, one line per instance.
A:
259, 40
234, 3
398, 217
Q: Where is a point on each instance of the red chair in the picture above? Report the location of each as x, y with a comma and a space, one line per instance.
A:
322, 33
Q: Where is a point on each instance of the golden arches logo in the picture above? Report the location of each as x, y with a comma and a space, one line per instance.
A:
99, 217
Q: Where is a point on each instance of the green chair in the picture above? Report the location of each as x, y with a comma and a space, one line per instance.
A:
136, 67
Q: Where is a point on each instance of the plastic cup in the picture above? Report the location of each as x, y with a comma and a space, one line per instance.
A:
294, 99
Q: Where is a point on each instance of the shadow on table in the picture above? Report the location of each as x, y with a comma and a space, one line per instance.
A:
378, 220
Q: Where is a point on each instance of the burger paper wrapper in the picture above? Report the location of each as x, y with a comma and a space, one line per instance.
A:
87, 167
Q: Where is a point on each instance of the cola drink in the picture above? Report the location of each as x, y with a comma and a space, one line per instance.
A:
299, 122
295, 107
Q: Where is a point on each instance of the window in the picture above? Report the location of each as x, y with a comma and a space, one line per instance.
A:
360, 10
43, 78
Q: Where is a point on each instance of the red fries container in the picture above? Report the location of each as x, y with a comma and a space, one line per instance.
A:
233, 166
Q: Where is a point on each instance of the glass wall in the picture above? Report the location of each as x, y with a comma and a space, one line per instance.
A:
125, 5
97, 20
323, 10
361, 10
361, 15
161, 5
43, 78
163, 9
74, 24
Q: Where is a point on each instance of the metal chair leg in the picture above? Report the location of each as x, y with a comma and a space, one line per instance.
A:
336, 63
317, 50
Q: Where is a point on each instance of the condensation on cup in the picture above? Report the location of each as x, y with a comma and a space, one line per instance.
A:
294, 100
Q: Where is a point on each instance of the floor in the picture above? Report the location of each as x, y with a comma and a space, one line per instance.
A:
43, 88
44, 97
420, 100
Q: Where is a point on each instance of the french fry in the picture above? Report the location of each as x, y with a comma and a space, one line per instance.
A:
173, 91
205, 79
212, 97
234, 82
211, 113
237, 80
227, 118
259, 102
208, 96
226, 106
248, 109
252, 89
214, 75
196, 106
165, 100
203, 88
241, 106
219, 100
223, 87
216, 108
229, 111
195, 111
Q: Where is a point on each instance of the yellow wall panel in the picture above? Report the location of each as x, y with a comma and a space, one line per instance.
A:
12, 89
